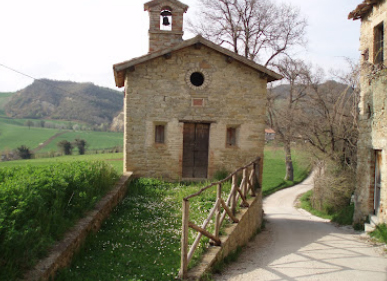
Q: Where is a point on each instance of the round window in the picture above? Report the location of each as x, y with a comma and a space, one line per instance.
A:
197, 79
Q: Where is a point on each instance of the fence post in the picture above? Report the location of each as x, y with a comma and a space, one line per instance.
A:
245, 177
233, 195
218, 212
184, 240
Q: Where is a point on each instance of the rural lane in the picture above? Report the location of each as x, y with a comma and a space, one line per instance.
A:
296, 245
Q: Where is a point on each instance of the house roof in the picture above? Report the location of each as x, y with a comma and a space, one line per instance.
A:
153, 3
363, 9
121, 68
269, 131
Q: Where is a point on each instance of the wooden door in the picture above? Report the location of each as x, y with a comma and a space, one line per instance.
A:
195, 150
378, 177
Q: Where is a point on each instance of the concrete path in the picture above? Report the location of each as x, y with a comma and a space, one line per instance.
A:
298, 246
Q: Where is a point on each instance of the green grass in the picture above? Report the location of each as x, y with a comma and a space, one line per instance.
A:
14, 133
114, 159
141, 240
342, 217
4, 98
274, 169
380, 233
94, 140
38, 204
13, 136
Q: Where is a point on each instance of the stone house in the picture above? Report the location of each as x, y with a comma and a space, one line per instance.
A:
191, 108
269, 134
371, 190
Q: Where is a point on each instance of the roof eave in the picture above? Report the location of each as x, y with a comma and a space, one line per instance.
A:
120, 68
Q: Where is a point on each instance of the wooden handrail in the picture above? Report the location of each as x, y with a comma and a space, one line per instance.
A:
229, 208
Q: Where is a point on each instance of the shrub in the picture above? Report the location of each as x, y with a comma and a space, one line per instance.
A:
38, 204
24, 152
333, 187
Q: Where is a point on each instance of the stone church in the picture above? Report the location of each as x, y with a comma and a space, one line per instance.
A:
191, 108
371, 190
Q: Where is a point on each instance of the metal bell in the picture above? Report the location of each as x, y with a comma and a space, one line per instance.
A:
166, 21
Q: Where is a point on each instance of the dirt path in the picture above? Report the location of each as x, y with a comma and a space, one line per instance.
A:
41, 146
298, 246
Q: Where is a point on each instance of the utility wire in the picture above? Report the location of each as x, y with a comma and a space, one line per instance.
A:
36, 79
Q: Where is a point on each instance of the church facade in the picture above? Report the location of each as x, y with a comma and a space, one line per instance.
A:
192, 108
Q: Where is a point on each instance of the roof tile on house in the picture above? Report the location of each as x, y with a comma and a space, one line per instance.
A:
363, 9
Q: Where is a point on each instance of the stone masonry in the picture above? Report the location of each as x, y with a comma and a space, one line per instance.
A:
372, 108
159, 92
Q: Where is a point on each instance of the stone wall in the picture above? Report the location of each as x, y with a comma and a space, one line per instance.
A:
160, 92
372, 120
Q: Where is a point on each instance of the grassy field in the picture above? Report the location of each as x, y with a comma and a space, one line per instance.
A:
94, 140
114, 159
13, 133
274, 168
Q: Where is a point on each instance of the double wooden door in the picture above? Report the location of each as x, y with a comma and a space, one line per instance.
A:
195, 150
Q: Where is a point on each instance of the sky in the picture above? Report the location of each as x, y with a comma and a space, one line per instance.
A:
80, 40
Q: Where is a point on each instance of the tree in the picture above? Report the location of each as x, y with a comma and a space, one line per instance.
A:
257, 29
81, 145
332, 126
283, 118
24, 152
29, 123
66, 147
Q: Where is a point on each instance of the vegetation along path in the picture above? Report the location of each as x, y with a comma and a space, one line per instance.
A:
298, 246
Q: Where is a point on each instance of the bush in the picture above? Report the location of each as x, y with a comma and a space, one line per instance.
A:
333, 187
38, 204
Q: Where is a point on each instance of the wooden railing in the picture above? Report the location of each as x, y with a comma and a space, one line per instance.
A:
221, 209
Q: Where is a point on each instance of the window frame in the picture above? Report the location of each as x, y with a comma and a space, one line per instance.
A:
159, 133
379, 43
231, 136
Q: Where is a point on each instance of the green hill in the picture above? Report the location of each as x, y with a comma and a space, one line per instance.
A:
64, 100
4, 99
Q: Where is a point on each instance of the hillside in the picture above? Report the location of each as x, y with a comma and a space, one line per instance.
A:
4, 99
64, 100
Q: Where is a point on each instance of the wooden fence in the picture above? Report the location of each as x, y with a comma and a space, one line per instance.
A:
221, 209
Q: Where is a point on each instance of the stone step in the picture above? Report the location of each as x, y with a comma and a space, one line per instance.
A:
374, 220
368, 227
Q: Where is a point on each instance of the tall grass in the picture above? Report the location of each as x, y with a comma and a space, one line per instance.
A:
38, 204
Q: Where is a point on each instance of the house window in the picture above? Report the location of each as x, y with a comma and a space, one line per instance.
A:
160, 133
231, 136
378, 43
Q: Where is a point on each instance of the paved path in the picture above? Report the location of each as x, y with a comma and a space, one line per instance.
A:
298, 246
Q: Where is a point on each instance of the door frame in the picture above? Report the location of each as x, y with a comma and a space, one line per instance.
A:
208, 147
377, 181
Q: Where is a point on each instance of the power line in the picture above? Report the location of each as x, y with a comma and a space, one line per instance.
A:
36, 79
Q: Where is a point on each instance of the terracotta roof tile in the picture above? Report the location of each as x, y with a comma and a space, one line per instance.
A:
363, 9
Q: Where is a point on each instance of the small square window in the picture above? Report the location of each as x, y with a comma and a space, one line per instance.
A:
159, 133
231, 136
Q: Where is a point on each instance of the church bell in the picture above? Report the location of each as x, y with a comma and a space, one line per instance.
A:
166, 21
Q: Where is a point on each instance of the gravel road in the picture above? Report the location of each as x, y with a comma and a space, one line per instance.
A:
298, 246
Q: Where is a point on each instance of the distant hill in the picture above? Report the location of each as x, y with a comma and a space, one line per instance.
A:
64, 100
282, 91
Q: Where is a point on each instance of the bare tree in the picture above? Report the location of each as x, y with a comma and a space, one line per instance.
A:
283, 116
332, 125
256, 29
